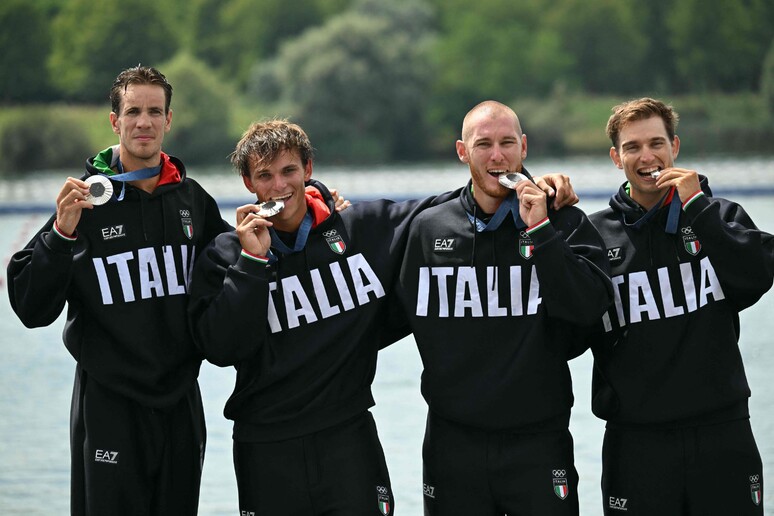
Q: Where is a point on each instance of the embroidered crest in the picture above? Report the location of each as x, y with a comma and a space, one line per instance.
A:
185, 219
691, 241
755, 489
335, 242
383, 496
525, 245
560, 483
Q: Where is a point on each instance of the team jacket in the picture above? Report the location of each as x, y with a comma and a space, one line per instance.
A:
494, 313
668, 353
304, 331
125, 282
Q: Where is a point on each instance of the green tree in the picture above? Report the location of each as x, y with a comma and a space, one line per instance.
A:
232, 36
499, 50
767, 81
24, 38
200, 112
607, 41
93, 41
359, 83
720, 45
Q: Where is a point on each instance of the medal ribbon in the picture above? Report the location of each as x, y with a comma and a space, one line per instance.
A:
509, 205
301, 236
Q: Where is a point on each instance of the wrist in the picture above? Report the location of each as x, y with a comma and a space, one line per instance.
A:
70, 237
255, 257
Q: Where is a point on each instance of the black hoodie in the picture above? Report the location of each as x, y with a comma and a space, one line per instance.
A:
304, 331
125, 282
669, 351
496, 314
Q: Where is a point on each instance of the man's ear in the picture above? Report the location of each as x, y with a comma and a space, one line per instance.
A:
462, 152
168, 124
615, 157
114, 123
248, 184
308, 171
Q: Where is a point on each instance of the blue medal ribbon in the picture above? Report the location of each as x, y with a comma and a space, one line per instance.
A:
301, 236
673, 217
509, 205
124, 177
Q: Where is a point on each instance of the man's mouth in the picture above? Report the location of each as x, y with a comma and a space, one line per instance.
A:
282, 197
652, 172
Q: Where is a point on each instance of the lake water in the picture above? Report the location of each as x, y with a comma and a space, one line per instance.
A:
36, 373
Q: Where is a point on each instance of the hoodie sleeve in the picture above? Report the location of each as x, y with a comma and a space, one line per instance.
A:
741, 254
229, 303
39, 277
572, 267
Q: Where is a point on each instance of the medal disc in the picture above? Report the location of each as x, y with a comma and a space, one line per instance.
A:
511, 179
269, 208
100, 190
655, 174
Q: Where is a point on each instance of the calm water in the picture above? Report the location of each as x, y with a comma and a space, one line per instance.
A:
36, 373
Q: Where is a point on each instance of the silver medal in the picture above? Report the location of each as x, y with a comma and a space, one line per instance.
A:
269, 208
511, 179
100, 190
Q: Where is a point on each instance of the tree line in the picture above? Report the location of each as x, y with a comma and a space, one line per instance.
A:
377, 80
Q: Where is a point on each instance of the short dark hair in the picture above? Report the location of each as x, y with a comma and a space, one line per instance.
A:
640, 109
138, 75
264, 141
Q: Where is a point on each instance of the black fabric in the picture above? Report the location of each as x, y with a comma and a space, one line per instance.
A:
496, 314
712, 470
128, 459
468, 471
339, 471
124, 282
303, 332
668, 349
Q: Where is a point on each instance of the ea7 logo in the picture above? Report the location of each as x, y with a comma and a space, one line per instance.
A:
618, 504
428, 490
615, 254
246, 513
110, 457
113, 232
443, 244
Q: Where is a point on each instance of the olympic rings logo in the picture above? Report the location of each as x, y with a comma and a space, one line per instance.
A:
330, 233
559, 473
687, 230
380, 489
754, 478
185, 213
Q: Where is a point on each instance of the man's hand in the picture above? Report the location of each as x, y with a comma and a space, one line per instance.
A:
253, 231
69, 204
685, 181
532, 203
557, 187
340, 203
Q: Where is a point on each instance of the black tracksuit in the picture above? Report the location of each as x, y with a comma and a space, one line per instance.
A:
124, 279
668, 374
303, 333
495, 315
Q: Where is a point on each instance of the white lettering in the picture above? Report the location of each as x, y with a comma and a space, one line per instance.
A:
364, 279
143, 268
466, 282
150, 278
292, 289
641, 294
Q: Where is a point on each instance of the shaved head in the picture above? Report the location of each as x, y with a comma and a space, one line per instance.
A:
487, 109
